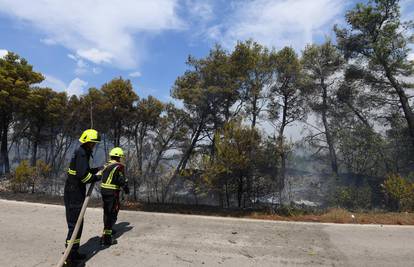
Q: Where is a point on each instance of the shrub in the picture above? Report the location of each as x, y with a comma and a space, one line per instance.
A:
353, 198
26, 176
400, 193
41, 172
20, 178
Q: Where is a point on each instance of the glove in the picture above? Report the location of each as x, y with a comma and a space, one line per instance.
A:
97, 177
126, 190
96, 170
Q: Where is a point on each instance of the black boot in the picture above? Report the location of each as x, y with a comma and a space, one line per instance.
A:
70, 261
106, 240
78, 256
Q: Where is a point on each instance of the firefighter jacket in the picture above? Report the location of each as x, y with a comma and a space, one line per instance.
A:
79, 172
113, 178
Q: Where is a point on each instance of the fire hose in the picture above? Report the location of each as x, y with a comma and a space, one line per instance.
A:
77, 226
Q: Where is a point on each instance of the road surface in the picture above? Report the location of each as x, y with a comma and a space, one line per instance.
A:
33, 235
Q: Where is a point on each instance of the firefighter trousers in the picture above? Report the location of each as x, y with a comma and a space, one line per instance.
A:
111, 209
73, 199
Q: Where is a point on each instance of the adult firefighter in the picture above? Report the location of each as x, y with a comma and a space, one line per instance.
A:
113, 179
79, 174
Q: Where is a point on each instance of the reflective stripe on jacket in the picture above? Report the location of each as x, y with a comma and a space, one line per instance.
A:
113, 176
79, 171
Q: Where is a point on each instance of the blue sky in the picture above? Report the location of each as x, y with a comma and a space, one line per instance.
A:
79, 44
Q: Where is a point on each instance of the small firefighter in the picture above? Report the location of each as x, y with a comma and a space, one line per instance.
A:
79, 174
113, 179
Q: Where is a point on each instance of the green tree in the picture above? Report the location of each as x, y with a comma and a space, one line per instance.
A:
361, 150
43, 111
220, 88
358, 111
378, 42
354, 102
119, 99
170, 134
16, 77
321, 63
146, 118
400, 155
253, 67
208, 94
229, 169
286, 103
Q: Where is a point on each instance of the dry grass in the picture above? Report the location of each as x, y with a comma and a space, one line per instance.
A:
344, 216
331, 216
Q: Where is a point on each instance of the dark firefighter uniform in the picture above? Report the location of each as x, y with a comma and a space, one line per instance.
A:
113, 179
79, 174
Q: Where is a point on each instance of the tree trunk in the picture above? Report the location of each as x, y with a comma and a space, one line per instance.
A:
139, 134
240, 192
227, 195
34, 152
195, 197
156, 192
249, 177
17, 150
408, 112
117, 134
359, 115
136, 142
183, 162
282, 148
227, 111
213, 142
4, 154
329, 138
135, 188
105, 148
254, 111
142, 133
191, 148
368, 126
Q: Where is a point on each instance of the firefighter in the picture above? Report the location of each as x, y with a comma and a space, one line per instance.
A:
79, 174
113, 179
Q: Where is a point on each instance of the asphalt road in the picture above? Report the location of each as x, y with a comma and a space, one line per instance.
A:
33, 235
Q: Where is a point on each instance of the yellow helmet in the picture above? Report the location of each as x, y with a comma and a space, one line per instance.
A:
116, 152
90, 135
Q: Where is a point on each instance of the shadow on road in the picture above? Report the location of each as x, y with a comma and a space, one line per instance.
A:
93, 245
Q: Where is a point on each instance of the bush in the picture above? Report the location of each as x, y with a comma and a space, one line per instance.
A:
353, 198
20, 178
399, 192
26, 176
